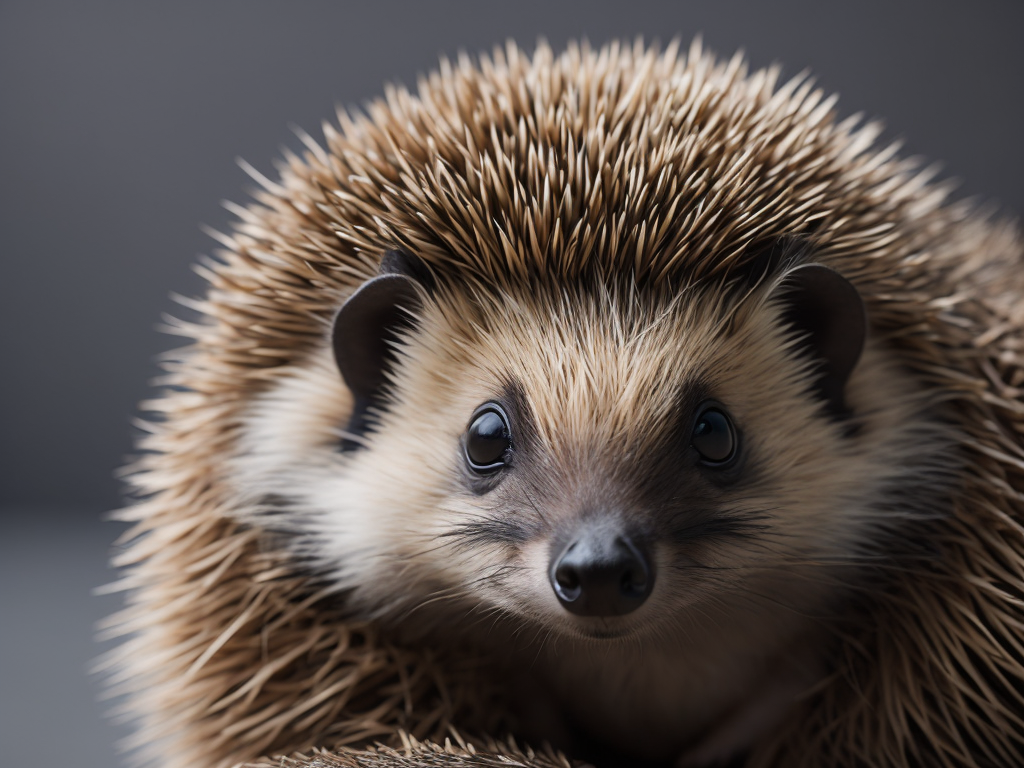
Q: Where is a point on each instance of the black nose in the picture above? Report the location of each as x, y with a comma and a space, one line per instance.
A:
602, 575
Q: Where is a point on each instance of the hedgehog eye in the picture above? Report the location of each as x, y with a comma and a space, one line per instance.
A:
714, 436
488, 439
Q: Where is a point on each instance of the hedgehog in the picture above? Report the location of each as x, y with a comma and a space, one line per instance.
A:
620, 405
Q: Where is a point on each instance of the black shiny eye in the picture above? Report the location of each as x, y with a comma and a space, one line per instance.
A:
488, 439
714, 436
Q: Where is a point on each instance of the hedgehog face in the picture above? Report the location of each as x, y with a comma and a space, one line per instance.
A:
595, 463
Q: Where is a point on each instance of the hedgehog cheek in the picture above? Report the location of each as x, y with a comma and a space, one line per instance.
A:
827, 313
365, 332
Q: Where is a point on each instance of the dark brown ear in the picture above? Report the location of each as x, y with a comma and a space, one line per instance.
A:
825, 310
365, 330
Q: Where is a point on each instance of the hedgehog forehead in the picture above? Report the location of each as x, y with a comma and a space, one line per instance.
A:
598, 364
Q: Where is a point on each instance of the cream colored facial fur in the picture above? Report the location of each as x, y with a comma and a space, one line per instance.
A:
733, 624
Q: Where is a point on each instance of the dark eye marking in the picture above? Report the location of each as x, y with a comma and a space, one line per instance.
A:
714, 436
488, 439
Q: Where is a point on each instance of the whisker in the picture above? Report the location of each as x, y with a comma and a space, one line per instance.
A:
536, 509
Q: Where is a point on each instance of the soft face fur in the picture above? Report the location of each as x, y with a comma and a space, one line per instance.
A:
586, 219
601, 386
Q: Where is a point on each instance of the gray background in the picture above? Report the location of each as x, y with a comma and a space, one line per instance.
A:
119, 127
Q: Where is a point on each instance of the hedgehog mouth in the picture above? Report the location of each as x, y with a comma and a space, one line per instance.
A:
604, 634
600, 630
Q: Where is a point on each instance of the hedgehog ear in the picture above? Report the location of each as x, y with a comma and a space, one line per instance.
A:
366, 327
826, 311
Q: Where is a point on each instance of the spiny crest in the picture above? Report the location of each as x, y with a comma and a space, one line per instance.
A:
620, 161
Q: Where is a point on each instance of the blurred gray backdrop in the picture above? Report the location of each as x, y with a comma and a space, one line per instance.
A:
119, 128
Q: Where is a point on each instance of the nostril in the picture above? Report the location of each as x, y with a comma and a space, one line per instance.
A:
633, 581
567, 580
636, 575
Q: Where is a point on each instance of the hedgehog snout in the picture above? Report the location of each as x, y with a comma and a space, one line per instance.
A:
602, 572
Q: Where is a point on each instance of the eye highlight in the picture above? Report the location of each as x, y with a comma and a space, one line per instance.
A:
488, 439
714, 436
